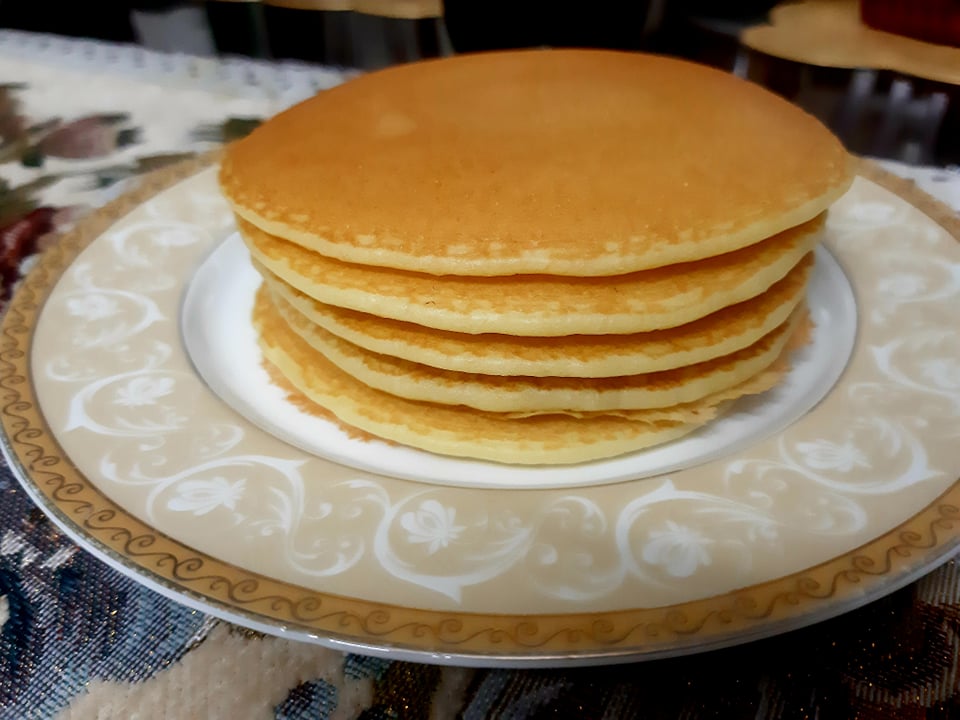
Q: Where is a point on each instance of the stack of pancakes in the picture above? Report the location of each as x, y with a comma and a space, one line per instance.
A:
533, 257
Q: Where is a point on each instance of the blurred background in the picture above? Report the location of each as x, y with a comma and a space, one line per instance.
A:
374, 33
839, 59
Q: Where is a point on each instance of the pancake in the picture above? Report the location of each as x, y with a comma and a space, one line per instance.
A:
520, 256
512, 394
451, 430
561, 162
718, 334
540, 305
465, 432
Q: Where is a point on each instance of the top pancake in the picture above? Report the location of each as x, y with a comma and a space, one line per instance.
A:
562, 162
539, 305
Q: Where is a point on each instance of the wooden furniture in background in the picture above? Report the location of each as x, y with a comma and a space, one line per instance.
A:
351, 33
883, 94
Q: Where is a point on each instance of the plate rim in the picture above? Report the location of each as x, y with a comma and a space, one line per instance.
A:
861, 575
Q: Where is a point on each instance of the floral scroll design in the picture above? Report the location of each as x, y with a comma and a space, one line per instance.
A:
907, 390
570, 548
125, 384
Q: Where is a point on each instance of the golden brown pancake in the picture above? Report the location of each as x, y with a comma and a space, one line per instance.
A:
721, 333
540, 305
465, 432
513, 394
560, 255
562, 162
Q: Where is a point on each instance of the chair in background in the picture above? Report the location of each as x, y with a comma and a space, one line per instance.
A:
498, 25
363, 34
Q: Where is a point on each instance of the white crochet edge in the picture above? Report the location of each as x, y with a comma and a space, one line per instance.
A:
283, 82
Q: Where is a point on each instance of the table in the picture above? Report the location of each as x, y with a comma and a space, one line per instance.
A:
80, 122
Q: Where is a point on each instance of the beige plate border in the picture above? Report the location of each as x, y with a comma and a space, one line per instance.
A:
845, 582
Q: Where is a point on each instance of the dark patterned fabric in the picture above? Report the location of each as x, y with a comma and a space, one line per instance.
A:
71, 619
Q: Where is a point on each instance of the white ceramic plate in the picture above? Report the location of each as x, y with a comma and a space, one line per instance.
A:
117, 436
222, 344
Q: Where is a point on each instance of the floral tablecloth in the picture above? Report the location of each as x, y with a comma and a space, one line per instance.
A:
79, 122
